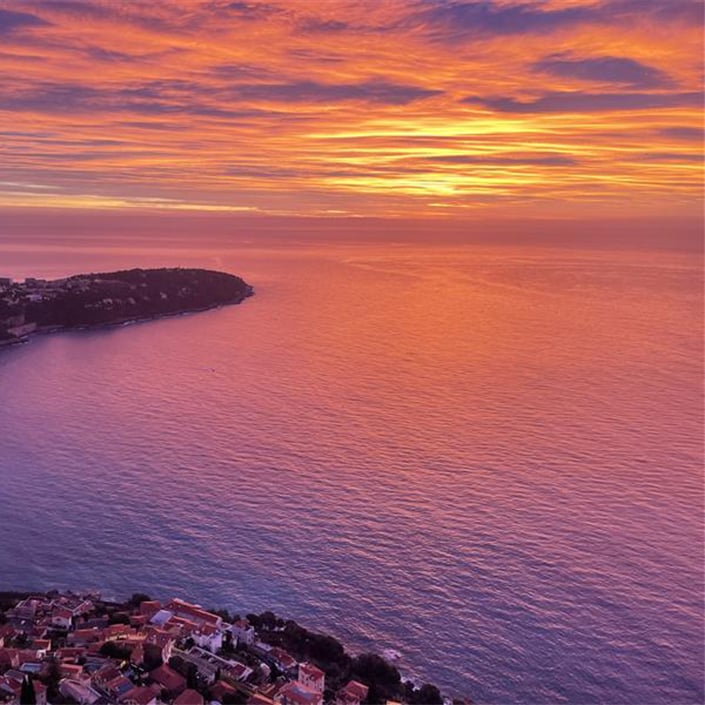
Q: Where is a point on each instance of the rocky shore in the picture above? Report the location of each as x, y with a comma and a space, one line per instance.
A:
110, 298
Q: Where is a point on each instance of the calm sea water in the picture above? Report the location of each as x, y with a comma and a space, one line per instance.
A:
487, 459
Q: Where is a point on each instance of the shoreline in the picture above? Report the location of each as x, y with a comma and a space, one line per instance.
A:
61, 642
49, 330
108, 299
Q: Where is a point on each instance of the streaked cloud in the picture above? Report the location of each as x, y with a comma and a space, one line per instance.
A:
578, 102
353, 106
11, 20
459, 21
605, 69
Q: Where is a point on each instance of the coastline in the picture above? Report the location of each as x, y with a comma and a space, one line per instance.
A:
49, 330
79, 647
88, 301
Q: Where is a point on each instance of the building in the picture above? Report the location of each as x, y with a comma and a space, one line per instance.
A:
312, 677
243, 632
283, 660
208, 637
61, 617
140, 695
293, 693
79, 692
189, 697
351, 694
194, 613
171, 682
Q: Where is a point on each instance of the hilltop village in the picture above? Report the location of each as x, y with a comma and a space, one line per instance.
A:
61, 648
87, 300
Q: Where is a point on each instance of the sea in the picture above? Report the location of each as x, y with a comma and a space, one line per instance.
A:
487, 458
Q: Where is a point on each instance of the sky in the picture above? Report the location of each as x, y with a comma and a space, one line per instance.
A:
424, 109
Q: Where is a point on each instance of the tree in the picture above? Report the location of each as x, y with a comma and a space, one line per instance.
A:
427, 694
228, 642
192, 677
137, 598
53, 678
268, 619
383, 679
27, 694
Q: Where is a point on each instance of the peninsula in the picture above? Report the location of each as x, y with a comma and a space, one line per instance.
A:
88, 300
65, 648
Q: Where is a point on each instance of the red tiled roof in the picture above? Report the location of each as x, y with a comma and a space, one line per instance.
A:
107, 673
70, 669
179, 607
286, 659
355, 689
10, 656
221, 688
259, 699
189, 697
158, 637
311, 671
62, 612
168, 678
140, 694
150, 607
296, 693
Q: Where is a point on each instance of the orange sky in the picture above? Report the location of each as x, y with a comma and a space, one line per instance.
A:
414, 108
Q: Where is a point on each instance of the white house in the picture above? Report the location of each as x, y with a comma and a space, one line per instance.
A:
208, 637
243, 632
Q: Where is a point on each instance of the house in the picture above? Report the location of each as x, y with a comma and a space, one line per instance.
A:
171, 682
284, 661
207, 671
71, 670
70, 653
194, 613
118, 687
9, 658
293, 693
189, 697
238, 671
158, 643
25, 609
10, 688
139, 695
78, 692
312, 677
208, 637
104, 675
149, 608
351, 694
243, 632
42, 646
82, 637
61, 618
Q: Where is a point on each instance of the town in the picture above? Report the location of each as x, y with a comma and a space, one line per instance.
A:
58, 648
